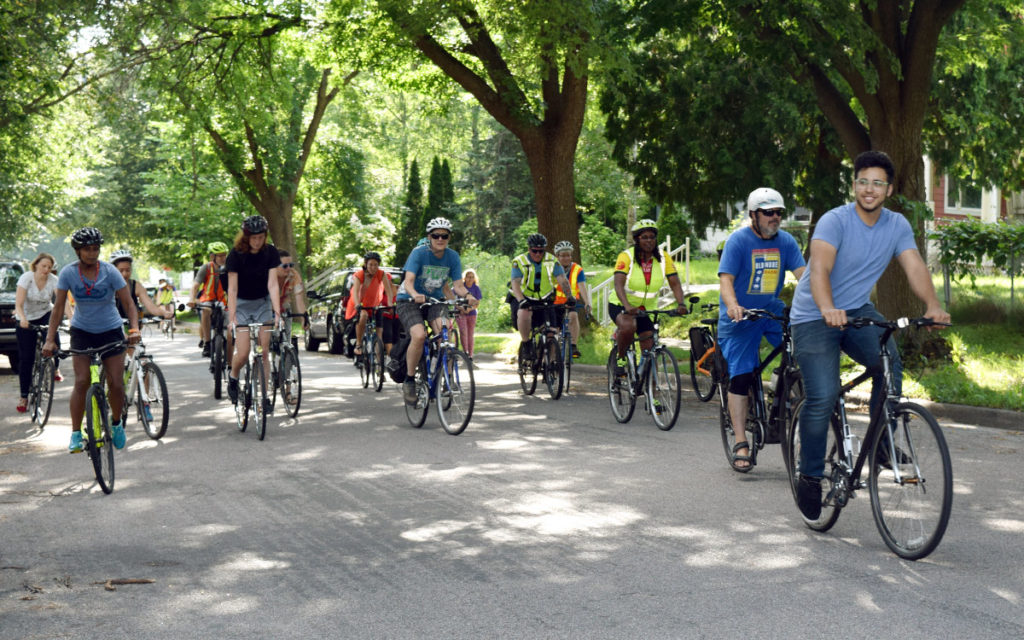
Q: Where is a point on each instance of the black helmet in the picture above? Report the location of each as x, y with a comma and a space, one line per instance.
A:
371, 255
254, 225
85, 237
537, 240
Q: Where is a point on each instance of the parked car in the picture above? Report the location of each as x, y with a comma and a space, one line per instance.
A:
328, 296
10, 271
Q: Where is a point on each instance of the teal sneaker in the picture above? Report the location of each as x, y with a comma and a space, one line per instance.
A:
119, 437
148, 412
76, 442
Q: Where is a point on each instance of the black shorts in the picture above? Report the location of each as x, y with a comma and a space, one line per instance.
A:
643, 323
82, 339
538, 316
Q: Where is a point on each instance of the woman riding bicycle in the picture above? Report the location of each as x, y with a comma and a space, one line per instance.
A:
32, 305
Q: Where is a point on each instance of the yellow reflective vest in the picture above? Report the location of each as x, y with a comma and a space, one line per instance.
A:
547, 279
639, 292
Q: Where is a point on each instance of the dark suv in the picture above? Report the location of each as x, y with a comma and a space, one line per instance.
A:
327, 299
9, 274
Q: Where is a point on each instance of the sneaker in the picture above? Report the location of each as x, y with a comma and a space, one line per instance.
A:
119, 438
206, 350
657, 407
76, 442
149, 413
409, 390
576, 352
526, 348
58, 376
233, 389
808, 496
620, 366
268, 408
201, 344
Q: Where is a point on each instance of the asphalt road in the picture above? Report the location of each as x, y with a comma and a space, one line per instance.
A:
543, 520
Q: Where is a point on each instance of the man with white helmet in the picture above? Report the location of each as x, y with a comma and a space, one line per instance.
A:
751, 273
535, 275
428, 271
577, 290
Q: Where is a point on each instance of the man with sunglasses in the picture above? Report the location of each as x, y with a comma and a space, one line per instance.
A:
534, 275
751, 273
428, 271
289, 281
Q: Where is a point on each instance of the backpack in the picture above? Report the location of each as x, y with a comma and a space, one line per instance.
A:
396, 360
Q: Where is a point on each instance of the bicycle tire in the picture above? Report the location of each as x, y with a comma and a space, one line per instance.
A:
242, 405
259, 392
217, 365
551, 368
291, 382
378, 364
663, 389
834, 457
363, 362
729, 432
43, 401
100, 443
156, 390
566, 361
527, 371
620, 396
911, 515
455, 392
417, 413
703, 383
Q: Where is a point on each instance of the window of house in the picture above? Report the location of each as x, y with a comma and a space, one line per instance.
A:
962, 194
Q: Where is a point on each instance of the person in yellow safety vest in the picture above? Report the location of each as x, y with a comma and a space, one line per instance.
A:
578, 289
208, 287
640, 273
534, 275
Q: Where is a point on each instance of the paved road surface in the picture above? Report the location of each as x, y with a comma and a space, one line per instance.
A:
543, 520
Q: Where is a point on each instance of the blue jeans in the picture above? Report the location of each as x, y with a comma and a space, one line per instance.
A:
816, 349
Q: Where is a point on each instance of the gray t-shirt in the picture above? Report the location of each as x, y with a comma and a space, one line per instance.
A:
37, 302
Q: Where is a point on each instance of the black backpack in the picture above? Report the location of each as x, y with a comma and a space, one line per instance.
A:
396, 360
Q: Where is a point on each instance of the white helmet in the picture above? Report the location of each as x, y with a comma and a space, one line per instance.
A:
119, 255
439, 223
764, 198
564, 245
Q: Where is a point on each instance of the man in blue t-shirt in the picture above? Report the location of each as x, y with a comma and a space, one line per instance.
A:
852, 246
750, 275
428, 270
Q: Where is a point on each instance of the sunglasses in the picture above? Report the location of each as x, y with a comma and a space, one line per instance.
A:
439, 236
771, 213
537, 250
287, 265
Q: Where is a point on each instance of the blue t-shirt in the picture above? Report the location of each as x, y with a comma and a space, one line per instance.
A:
431, 272
862, 254
759, 267
95, 310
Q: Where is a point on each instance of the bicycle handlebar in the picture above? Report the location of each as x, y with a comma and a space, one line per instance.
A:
64, 353
899, 323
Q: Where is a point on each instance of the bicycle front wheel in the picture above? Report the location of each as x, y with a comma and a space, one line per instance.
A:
363, 362
100, 444
43, 397
552, 368
417, 412
455, 392
218, 365
833, 497
244, 398
663, 389
911, 482
619, 394
378, 364
702, 372
527, 371
260, 399
291, 382
154, 387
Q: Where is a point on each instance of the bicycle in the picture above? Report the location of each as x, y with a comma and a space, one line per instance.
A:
911, 499
767, 413
565, 347
547, 359
167, 326
97, 435
284, 366
444, 375
40, 391
219, 362
707, 367
252, 387
656, 377
145, 388
371, 361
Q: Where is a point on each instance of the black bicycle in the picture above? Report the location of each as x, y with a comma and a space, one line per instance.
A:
707, 366
285, 372
371, 360
219, 362
768, 407
546, 360
909, 473
40, 391
656, 377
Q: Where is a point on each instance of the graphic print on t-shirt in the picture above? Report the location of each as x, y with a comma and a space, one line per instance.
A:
434, 276
764, 271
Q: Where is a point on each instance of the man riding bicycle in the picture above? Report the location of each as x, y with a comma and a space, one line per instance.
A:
534, 275
751, 273
640, 273
577, 289
209, 287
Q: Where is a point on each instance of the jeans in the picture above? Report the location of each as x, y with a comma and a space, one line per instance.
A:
27, 351
816, 349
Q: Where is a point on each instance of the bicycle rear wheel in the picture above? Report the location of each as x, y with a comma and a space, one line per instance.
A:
42, 399
619, 394
363, 362
217, 365
455, 392
527, 371
259, 394
100, 443
911, 482
702, 369
833, 497
378, 364
155, 387
552, 368
417, 413
663, 389
291, 382
244, 398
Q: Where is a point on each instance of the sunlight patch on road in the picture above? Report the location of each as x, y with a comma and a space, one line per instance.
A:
1005, 524
555, 515
1007, 595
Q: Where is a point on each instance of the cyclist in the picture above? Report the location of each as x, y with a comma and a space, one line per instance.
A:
96, 285
534, 276
428, 270
122, 261
289, 282
253, 295
578, 285
852, 245
371, 285
32, 304
640, 273
209, 287
756, 258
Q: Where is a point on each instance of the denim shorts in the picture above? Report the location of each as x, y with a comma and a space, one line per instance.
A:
254, 311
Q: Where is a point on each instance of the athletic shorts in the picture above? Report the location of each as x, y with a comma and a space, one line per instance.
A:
255, 311
410, 314
82, 339
643, 323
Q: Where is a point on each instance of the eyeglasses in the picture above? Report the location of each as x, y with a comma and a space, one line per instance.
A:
287, 265
863, 183
439, 236
772, 213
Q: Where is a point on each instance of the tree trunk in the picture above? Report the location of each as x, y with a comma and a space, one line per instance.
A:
551, 162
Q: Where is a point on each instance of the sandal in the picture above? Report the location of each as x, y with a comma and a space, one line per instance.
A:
738, 458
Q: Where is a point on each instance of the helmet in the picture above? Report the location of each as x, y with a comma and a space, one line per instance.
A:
371, 255
217, 247
439, 223
254, 225
764, 198
642, 225
86, 236
119, 255
537, 240
564, 245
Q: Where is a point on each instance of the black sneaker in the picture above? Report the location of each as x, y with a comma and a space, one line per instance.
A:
233, 390
808, 496
206, 350
526, 348
409, 390
576, 352
268, 408
201, 344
